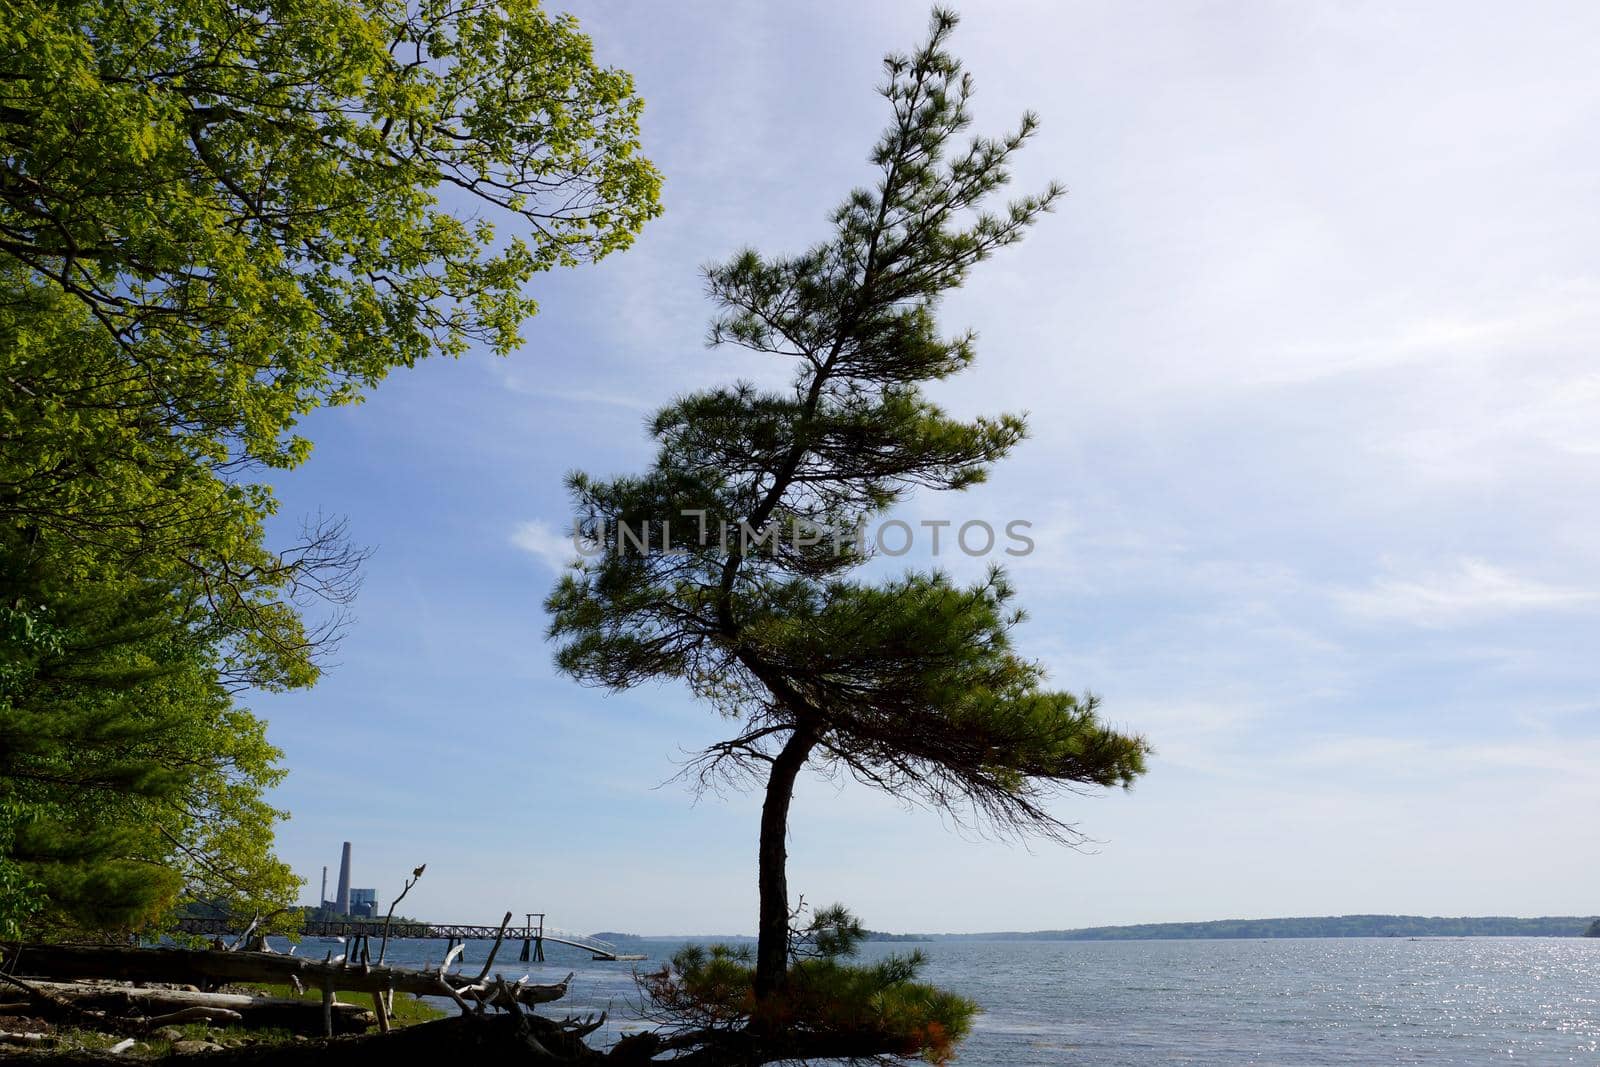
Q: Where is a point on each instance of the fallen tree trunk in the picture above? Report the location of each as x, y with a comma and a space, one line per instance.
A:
184, 966
523, 1041
516, 1040
160, 1007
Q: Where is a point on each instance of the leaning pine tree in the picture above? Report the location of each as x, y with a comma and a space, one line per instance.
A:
912, 685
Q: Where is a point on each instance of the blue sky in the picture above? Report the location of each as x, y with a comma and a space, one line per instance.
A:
1309, 357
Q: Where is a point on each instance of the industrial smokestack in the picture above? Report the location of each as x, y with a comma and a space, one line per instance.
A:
322, 897
343, 905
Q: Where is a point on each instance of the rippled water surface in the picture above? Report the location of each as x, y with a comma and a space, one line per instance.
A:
1335, 1001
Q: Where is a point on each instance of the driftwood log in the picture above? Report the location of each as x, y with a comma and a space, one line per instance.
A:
183, 966
511, 1040
330, 976
163, 1007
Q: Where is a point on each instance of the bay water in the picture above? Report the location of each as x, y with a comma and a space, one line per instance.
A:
1108, 1003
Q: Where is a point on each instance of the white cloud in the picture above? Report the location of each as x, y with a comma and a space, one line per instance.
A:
545, 543
1201, 735
1545, 325
1398, 756
1470, 592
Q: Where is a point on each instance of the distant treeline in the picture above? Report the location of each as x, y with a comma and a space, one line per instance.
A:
315, 914
1318, 926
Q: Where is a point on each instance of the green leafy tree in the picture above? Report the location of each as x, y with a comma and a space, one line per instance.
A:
95, 484
262, 203
909, 685
213, 219
259, 209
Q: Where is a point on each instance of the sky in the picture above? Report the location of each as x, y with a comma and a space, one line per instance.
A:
1309, 358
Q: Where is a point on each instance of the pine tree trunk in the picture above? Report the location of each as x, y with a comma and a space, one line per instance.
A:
772, 945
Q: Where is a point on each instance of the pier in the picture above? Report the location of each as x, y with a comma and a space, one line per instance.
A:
533, 935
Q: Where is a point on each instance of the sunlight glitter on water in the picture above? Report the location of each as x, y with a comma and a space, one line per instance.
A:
1341, 1001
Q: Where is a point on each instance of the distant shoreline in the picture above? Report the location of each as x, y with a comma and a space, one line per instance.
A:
1310, 926
1325, 926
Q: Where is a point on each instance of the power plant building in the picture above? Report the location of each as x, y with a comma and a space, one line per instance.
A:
359, 903
363, 903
